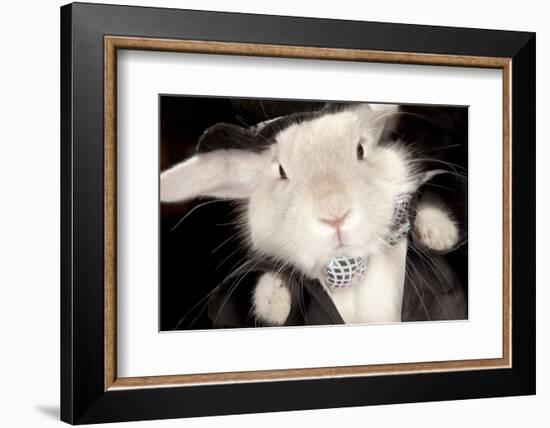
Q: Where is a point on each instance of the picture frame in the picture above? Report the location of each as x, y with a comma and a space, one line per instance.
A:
91, 36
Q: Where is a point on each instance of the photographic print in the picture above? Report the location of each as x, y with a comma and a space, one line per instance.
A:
298, 212
292, 183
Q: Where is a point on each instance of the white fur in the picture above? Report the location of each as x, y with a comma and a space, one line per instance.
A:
434, 226
284, 217
218, 174
379, 296
325, 180
271, 299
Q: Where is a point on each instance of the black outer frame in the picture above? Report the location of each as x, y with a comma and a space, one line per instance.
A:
83, 399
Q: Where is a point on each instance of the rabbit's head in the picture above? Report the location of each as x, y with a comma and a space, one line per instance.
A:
313, 185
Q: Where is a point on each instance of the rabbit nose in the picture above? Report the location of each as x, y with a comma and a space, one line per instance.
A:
336, 222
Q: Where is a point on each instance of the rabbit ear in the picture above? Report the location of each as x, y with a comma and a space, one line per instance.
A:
378, 118
382, 109
226, 174
227, 136
385, 119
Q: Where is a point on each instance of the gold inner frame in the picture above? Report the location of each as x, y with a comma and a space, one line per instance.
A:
113, 43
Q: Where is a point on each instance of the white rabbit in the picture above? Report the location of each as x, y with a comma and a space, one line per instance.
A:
322, 185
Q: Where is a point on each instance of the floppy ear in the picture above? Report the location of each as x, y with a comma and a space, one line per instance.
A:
219, 174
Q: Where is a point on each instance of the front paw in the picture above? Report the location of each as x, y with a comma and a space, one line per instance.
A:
271, 299
435, 228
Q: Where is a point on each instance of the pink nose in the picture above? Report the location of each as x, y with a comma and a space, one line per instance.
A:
335, 222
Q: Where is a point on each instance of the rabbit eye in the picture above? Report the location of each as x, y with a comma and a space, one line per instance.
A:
360, 152
282, 172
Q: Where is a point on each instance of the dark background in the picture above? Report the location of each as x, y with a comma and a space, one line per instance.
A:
198, 253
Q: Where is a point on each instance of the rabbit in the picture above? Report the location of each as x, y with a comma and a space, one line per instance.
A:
315, 185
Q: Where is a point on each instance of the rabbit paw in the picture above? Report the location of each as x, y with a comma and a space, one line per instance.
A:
435, 228
271, 299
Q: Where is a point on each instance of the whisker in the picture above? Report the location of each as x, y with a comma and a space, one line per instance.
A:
194, 209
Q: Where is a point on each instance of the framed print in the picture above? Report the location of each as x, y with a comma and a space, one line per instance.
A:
265, 213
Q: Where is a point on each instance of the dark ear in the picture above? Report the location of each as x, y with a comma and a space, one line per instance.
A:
227, 162
227, 136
